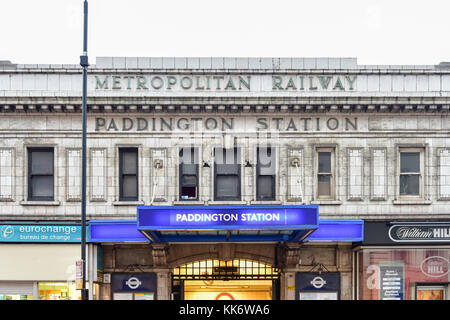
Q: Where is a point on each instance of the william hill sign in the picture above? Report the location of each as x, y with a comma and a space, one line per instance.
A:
226, 82
420, 232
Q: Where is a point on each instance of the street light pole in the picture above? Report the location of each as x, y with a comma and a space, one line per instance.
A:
84, 64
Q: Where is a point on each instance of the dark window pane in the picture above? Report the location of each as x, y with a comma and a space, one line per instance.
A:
267, 169
41, 186
227, 174
188, 192
187, 180
232, 156
228, 169
264, 156
266, 161
189, 155
219, 155
410, 162
228, 187
324, 185
188, 173
325, 162
265, 188
227, 156
409, 185
129, 162
129, 187
41, 162
188, 169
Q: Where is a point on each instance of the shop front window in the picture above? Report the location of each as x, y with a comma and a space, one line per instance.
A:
403, 274
430, 293
15, 297
58, 291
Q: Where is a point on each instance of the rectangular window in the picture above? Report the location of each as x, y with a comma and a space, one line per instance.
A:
265, 174
188, 169
325, 173
40, 174
411, 171
227, 174
128, 174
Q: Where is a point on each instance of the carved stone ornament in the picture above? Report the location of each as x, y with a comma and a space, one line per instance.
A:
159, 254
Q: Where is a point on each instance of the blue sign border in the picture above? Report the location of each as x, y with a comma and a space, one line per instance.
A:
126, 231
115, 231
338, 230
132, 231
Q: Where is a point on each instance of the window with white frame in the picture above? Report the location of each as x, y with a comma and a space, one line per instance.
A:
227, 174
411, 170
265, 174
40, 174
325, 180
188, 172
128, 174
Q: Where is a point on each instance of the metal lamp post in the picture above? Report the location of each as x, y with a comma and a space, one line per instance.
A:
84, 64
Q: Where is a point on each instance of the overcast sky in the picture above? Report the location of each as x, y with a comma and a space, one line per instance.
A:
375, 32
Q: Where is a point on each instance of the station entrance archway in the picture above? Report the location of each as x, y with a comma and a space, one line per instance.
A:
214, 279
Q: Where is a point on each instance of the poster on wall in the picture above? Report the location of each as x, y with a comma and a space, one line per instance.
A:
122, 296
392, 281
144, 296
318, 296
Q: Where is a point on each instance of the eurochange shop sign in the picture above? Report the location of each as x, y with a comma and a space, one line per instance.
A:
40, 233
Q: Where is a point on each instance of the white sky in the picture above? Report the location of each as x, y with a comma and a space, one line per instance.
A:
376, 32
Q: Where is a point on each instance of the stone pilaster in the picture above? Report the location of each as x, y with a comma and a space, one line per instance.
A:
163, 285
287, 285
344, 264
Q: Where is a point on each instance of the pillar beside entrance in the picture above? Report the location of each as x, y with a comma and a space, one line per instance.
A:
163, 276
287, 282
164, 286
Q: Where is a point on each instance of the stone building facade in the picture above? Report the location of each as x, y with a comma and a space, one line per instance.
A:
362, 120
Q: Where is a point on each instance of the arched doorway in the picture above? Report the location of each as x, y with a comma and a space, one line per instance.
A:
237, 279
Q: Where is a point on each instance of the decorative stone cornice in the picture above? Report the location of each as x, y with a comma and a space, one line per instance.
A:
229, 64
59, 106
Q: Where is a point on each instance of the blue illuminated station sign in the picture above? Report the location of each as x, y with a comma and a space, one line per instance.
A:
155, 222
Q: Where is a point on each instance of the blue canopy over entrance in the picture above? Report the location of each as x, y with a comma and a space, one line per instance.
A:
226, 223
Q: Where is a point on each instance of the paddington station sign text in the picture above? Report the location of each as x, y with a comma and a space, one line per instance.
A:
223, 82
228, 124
